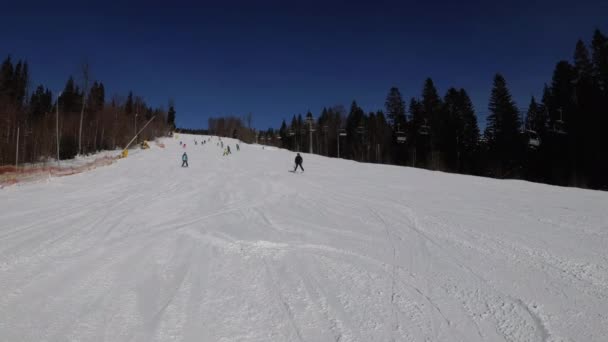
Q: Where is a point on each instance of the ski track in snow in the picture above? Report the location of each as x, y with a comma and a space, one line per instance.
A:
230, 249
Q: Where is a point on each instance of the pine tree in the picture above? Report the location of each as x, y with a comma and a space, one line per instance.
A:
70, 95
587, 119
96, 97
383, 137
470, 133
503, 126
171, 117
532, 116
23, 84
355, 132
395, 109
294, 124
453, 128
415, 120
19, 83
599, 45
582, 63
460, 134
129, 104
543, 108
283, 134
101, 96
562, 93
14, 82
40, 103
416, 116
431, 108
6, 79
419, 141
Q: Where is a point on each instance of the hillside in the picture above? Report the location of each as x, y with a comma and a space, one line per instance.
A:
236, 248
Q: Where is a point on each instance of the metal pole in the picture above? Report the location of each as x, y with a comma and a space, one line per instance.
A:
326, 146
458, 151
139, 132
17, 152
338, 143
310, 134
57, 127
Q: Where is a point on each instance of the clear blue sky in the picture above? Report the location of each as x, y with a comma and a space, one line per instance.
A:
280, 58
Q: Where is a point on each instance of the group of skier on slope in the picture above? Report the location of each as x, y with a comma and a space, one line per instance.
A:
298, 160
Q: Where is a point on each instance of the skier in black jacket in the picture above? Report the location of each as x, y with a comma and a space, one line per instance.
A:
298, 163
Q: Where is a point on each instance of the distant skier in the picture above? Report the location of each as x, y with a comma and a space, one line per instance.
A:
298, 163
237, 147
228, 149
184, 160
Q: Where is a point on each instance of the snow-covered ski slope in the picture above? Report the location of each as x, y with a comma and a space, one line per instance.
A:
237, 248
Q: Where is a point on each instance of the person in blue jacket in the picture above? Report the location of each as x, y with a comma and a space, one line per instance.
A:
184, 160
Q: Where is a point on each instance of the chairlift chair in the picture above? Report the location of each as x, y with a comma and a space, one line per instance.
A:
424, 129
401, 138
559, 127
342, 132
533, 139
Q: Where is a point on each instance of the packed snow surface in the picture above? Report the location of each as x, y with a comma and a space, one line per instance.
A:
236, 248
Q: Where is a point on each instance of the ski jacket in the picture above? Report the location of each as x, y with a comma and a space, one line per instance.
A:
184, 157
298, 160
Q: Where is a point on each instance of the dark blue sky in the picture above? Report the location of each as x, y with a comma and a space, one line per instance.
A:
276, 59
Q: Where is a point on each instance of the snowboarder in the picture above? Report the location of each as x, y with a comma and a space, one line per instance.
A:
184, 160
298, 163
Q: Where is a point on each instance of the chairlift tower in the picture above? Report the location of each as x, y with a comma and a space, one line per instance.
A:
310, 120
57, 126
341, 133
325, 129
